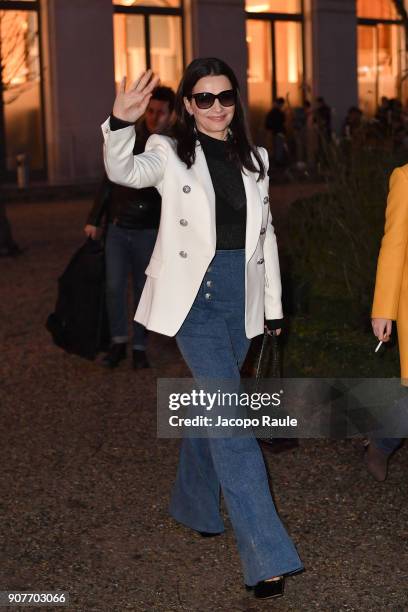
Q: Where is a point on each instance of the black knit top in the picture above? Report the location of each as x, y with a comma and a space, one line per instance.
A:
230, 198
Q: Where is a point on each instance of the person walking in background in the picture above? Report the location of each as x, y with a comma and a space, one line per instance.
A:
275, 127
383, 114
353, 124
391, 301
354, 136
323, 122
300, 124
133, 217
323, 118
311, 136
212, 279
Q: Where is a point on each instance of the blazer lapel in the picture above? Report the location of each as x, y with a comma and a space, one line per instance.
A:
202, 174
254, 213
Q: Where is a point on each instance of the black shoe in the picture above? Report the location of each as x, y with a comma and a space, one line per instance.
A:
208, 534
117, 352
376, 462
140, 360
266, 589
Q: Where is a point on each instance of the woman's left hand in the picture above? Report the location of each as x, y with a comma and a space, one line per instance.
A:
273, 332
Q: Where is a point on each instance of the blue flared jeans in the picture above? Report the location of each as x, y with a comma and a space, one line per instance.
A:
213, 343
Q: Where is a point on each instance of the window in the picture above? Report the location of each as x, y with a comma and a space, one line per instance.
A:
289, 66
259, 41
377, 9
275, 59
166, 52
130, 46
21, 121
273, 6
148, 36
163, 3
381, 55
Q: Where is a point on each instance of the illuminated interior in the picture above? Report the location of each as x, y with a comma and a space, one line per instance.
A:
380, 54
286, 56
168, 3
129, 44
21, 87
165, 49
259, 74
377, 9
289, 65
273, 6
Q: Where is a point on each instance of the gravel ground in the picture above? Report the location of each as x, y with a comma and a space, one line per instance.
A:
85, 481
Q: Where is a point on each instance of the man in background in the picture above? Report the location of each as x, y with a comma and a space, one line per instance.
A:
132, 217
275, 126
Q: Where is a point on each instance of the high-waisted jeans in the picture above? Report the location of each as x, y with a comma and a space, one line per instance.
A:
213, 343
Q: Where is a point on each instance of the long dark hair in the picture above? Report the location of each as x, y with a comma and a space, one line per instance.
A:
240, 143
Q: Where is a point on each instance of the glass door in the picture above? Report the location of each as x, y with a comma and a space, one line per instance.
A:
166, 48
379, 64
289, 63
275, 67
130, 46
367, 69
149, 34
260, 82
389, 60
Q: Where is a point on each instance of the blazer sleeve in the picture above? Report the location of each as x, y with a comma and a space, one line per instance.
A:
392, 255
273, 287
124, 168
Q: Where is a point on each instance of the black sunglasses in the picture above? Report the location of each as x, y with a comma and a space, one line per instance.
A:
206, 99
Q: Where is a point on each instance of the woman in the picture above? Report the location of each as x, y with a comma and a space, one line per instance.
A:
213, 275
391, 302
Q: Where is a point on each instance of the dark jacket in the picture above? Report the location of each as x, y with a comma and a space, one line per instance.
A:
124, 206
275, 120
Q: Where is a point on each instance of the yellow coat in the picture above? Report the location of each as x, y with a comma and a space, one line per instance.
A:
391, 286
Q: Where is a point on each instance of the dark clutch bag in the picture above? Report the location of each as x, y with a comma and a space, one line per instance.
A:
268, 365
268, 362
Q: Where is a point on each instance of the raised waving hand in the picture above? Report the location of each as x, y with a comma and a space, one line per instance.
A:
130, 105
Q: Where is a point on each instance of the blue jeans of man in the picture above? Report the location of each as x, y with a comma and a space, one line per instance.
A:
213, 343
127, 251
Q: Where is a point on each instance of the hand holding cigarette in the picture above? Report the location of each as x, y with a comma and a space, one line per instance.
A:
382, 329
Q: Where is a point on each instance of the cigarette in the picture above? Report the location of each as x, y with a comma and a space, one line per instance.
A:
378, 346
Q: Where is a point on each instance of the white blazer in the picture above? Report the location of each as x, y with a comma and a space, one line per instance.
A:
186, 240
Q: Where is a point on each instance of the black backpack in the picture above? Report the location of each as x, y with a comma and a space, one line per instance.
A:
79, 324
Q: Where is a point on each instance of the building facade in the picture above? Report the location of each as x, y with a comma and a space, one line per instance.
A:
61, 61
